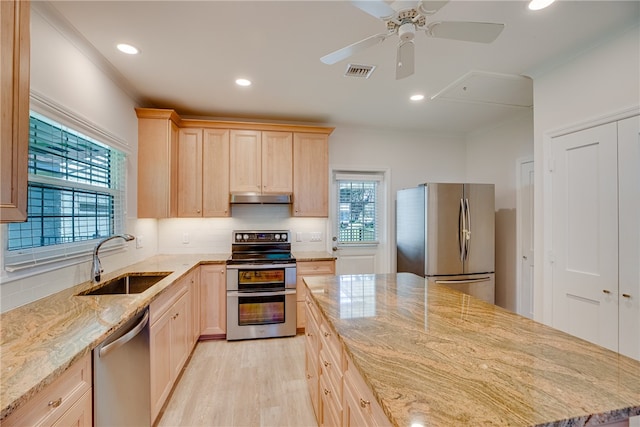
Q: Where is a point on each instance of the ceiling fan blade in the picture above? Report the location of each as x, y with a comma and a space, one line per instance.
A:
352, 49
377, 8
480, 32
405, 60
430, 7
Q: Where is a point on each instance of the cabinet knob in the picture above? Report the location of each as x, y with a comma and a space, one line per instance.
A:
326, 364
308, 376
55, 403
364, 403
626, 295
327, 392
326, 334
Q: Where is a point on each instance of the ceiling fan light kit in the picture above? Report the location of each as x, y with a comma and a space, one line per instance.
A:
404, 18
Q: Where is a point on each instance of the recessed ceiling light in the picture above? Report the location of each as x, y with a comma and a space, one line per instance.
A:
416, 97
243, 82
128, 49
539, 4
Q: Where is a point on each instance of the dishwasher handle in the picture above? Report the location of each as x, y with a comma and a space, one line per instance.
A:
454, 281
126, 337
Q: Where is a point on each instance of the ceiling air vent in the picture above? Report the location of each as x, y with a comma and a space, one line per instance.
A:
357, 70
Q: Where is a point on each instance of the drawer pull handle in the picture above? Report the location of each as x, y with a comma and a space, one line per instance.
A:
606, 291
626, 295
55, 403
327, 392
364, 403
326, 364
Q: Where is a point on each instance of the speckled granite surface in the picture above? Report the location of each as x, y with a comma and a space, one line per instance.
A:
436, 357
42, 339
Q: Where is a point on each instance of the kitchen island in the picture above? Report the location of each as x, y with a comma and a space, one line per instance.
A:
432, 356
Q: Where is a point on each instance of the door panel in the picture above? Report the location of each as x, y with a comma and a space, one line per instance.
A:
443, 243
481, 252
525, 292
629, 212
585, 234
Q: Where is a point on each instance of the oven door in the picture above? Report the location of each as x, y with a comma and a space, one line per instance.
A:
260, 277
261, 314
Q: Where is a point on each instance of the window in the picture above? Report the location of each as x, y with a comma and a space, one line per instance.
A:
76, 194
358, 208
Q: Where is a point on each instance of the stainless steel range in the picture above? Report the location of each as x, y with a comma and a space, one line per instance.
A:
261, 285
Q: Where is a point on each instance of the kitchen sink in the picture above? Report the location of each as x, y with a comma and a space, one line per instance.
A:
130, 283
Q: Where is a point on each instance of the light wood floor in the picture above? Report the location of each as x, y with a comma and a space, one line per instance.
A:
243, 383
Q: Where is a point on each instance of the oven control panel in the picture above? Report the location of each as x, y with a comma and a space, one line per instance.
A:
244, 236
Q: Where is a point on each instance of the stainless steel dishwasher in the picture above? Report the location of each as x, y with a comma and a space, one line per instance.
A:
121, 376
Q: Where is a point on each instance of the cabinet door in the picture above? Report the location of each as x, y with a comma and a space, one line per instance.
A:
310, 175
309, 268
213, 300
277, 162
585, 234
160, 361
629, 212
245, 165
194, 308
180, 348
190, 173
215, 173
157, 166
14, 109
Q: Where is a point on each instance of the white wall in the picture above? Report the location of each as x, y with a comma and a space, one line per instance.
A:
61, 72
491, 157
598, 83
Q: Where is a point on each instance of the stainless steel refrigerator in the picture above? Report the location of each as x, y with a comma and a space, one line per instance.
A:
446, 233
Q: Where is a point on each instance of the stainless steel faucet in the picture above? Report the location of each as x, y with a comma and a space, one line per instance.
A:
96, 267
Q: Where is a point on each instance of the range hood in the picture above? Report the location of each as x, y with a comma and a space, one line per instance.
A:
260, 199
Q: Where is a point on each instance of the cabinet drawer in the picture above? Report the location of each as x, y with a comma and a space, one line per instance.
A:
332, 372
56, 398
315, 268
331, 404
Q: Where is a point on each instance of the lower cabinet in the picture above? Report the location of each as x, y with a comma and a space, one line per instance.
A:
169, 341
309, 268
339, 395
66, 401
213, 301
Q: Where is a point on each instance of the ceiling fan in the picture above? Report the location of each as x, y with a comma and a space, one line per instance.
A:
405, 18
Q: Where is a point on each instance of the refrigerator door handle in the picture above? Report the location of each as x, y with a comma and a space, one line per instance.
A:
449, 282
468, 230
462, 228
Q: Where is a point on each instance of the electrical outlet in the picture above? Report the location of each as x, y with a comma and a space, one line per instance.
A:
139, 242
185, 238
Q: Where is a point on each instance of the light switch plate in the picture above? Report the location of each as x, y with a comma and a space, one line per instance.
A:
299, 236
316, 236
139, 242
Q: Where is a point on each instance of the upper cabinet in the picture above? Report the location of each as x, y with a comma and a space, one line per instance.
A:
311, 174
157, 163
189, 167
261, 162
14, 109
203, 172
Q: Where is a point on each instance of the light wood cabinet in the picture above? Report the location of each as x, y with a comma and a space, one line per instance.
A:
189, 167
168, 342
213, 301
359, 407
310, 175
66, 401
157, 163
203, 172
309, 268
312, 350
194, 307
261, 162
14, 109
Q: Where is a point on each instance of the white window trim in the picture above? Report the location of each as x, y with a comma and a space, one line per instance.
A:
23, 263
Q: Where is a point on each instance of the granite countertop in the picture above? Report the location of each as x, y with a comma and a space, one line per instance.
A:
436, 357
313, 256
42, 339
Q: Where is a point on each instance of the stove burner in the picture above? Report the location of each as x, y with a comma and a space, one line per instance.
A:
261, 247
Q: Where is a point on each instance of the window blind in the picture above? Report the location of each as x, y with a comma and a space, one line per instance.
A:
358, 207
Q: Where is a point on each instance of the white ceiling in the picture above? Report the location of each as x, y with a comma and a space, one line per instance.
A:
193, 51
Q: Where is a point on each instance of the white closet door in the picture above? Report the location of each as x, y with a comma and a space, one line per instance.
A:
585, 234
629, 218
